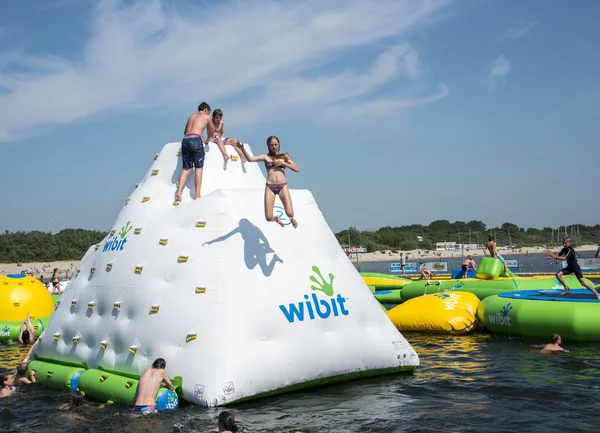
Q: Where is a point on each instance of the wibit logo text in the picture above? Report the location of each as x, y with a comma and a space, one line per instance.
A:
117, 243
502, 318
312, 306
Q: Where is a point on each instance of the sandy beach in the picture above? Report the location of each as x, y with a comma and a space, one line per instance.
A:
414, 255
386, 256
40, 269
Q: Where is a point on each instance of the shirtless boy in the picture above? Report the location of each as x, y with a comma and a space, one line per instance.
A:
148, 386
219, 136
192, 147
21, 377
493, 249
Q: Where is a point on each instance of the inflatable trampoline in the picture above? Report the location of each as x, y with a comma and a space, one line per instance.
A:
541, 313
484, 288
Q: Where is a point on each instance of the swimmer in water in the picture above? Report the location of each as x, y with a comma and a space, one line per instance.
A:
21, 378
553, 346
7, 385
226, 423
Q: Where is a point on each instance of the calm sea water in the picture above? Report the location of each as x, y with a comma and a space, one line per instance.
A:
471, 383
528, 263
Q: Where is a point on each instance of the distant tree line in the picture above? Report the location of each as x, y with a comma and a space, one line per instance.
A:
36, 246
405, 238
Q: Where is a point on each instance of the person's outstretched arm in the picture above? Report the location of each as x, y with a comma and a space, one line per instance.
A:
30, 327
20, 337
259, 158
26, 359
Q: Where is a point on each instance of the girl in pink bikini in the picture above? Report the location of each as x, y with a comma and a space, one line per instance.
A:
275, 163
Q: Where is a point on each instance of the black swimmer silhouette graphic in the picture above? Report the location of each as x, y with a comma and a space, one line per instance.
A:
256, 246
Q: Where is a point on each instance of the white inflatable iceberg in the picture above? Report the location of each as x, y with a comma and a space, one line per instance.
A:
238, 307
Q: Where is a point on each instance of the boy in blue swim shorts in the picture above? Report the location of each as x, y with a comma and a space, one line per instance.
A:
148, 386
192, 148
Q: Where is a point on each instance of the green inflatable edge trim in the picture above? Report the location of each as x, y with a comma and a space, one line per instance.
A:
483, 288
383, 276
54, 376
328, 380
100, 385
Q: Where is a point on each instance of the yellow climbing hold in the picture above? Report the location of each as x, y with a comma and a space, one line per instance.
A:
137, 231
145, 199
154, 309
190, 337
154, 172
182, 259
163, 241
200, 289
139, 269
201, 224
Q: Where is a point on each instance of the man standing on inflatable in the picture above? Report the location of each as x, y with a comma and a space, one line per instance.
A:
568, 254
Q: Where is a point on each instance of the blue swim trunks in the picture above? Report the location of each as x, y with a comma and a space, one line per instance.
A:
499, 257
144, 410
192, 151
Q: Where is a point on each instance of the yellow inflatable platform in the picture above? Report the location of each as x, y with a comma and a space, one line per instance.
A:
453, 312
21, 294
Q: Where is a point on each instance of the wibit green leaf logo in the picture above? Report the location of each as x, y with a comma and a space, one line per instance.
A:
505, 310
125, 229
501, 318
323, 286
5, 329
117, 243
313, 307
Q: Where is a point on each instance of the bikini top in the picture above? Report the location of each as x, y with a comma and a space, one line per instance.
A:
270, 165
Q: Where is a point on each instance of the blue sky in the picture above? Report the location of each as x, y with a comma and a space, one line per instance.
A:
397, 112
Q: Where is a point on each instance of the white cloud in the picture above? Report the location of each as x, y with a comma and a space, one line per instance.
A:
499, 70
149, 54
518, 32
383, 108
